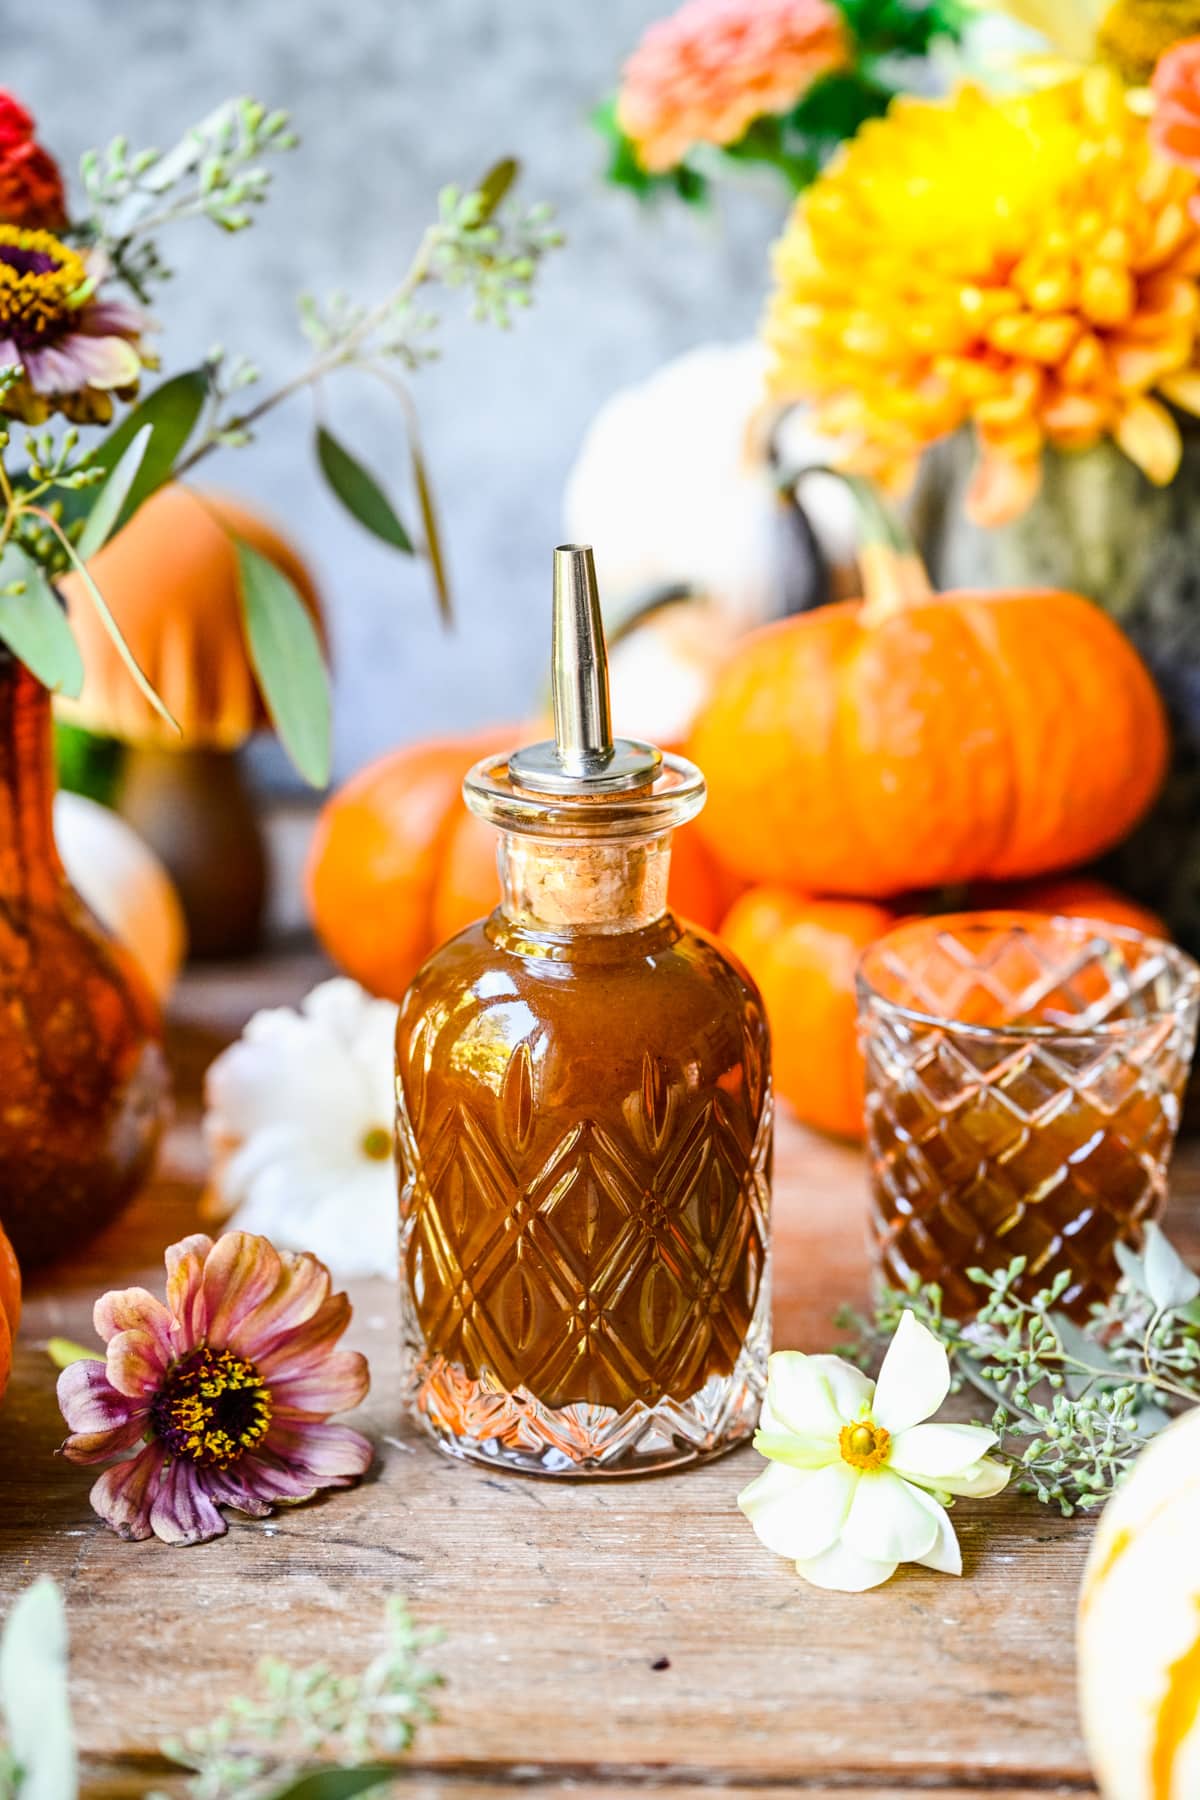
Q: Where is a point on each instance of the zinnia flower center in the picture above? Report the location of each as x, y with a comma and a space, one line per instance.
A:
865, 1445
41, 280
211, 1408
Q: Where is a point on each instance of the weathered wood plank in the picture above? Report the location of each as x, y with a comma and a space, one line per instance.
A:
558, 1604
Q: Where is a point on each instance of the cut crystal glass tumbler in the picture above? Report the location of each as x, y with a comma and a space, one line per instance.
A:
1024, 1079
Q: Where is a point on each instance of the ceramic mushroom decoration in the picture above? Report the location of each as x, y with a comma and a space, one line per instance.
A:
171, 579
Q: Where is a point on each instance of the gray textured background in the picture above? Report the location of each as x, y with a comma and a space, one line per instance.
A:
393, 98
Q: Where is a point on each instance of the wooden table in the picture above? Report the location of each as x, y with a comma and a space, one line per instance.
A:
599, 1639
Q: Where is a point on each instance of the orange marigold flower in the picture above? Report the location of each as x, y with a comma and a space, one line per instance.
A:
707, 72
1025, 265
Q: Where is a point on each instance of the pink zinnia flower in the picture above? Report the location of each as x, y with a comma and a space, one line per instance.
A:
1175, 121
227, 1390
76, 349
706, 73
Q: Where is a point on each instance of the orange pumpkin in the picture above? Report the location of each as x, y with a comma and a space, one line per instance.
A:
914, 740
10, 1306
376, 854
803, 954
398, 865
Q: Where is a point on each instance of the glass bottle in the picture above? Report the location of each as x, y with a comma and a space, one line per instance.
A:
83, 1077
584, 1121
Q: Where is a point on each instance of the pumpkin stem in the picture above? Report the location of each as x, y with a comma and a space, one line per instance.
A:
893, 575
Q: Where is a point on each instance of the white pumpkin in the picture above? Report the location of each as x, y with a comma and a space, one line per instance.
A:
1139, 1627
125, 885
674, 486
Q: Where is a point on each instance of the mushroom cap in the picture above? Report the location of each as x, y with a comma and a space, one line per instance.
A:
171, 579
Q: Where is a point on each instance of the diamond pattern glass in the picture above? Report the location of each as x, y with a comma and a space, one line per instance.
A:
585, 1153
1024, 1082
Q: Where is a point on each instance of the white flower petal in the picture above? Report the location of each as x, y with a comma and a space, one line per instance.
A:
945, 1555
842, 1568
889, 1521
812, 1396
288, 1109
914, 1379
799, 1512
978, 1481
928, 1450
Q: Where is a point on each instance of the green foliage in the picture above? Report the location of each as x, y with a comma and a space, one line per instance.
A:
249, 1749
259, 1747
624, 169
288, 661
86, 762
33, 623
62, 506
171, 411
112, 497
1073, 1406
38, 1761
359, 492
215, 172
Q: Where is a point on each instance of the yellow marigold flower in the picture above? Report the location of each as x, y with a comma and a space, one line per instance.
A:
706, 73
1026, 265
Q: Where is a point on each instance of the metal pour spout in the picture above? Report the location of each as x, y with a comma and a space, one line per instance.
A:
583, 758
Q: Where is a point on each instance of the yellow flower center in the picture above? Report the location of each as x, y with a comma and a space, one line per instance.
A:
42, 282
865, 1445
377, 1144
211, 1408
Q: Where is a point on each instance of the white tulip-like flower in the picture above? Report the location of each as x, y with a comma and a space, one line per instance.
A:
857, 1481
299, 1123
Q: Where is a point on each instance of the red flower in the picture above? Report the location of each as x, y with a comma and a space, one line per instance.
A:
223, 1394
1175, 123
31, 185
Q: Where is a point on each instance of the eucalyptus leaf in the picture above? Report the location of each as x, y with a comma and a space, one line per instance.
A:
336, 1784
115, 633
33, 1694
108, 502
288, 660
495, 185
359, 492
1084, 1349
1132, 1267
1170, 1282
63, 1352
171, 411
34, 625
433, 536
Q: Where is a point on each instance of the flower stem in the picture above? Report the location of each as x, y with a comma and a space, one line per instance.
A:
340, 355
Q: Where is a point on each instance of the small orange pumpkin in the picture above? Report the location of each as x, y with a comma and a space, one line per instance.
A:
376, 855
914, 740
803, 954
398, 865
10, 1306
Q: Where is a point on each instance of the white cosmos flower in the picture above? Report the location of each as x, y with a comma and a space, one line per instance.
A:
856, 1480
299, 1123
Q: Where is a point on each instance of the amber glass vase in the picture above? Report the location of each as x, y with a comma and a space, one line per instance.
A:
83, 1080
585, 1137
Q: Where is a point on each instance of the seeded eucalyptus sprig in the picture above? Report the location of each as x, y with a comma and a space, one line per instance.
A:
258, 1745
216, 171
60, 505
1073, 1406
307, 1733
